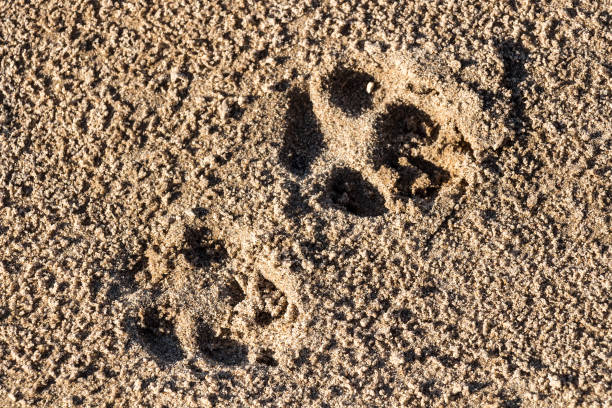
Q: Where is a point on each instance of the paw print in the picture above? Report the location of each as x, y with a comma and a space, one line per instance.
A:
385, 137
193, 302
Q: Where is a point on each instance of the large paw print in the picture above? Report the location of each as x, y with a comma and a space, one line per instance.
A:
384, 136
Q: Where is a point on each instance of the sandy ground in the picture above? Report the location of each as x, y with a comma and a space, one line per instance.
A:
343, 203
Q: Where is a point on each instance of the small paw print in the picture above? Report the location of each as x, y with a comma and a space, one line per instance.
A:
194, 301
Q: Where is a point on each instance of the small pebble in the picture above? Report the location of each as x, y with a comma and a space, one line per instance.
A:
224, 110
554, 381
268, 87
455, 65
397, 358
370, 87
457, 388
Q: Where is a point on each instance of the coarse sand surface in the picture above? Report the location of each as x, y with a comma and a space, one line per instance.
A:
314, 203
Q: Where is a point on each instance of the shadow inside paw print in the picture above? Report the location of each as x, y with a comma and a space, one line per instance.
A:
402, 132
400, 128
348, 90
351, 192
274, 302
222, 348
303, 140
157, 333
201, 250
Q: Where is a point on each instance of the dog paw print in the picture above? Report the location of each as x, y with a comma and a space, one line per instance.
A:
170, 331
386, 136
200, 297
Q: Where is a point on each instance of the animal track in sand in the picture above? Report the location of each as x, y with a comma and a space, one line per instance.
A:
195, 302
387, 135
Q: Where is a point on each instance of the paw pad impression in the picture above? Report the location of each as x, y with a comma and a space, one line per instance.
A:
388, 133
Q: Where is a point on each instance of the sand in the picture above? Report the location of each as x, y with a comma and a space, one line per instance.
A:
316, 203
